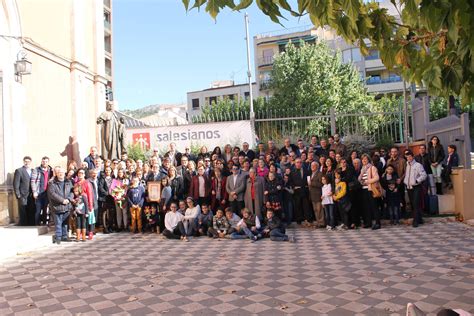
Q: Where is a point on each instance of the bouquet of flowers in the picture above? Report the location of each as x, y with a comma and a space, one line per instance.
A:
118, 193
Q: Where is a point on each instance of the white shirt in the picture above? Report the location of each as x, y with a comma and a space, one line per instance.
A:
192, 213
326, 198
257, 222
172, 219
202, 186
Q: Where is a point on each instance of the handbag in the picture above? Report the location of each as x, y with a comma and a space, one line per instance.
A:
376, 188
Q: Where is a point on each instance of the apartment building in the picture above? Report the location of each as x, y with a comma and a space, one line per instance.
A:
219, 90
377, 78
108, 47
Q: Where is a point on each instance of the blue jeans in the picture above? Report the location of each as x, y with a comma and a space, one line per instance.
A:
278, 234
288, 210
41, 204
60, 224
394, 212
329, 214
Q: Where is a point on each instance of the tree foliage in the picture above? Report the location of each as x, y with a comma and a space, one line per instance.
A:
311, 78
429, 42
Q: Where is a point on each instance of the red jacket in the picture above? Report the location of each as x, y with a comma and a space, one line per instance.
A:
194, 189
87, 191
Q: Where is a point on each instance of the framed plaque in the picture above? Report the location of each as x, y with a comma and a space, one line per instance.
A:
154, 191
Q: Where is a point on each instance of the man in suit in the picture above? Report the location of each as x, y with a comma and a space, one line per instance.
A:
249, 153
315, 187
40, 177
90, 158
183, 165
94, 181
299, 181
155, 174
22, 187
235, 187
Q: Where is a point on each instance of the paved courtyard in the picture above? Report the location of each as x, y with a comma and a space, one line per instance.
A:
337, 273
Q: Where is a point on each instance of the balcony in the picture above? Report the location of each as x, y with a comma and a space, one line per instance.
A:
265, 61
108, 71
265, 84
107, 3
107, 25
384, 85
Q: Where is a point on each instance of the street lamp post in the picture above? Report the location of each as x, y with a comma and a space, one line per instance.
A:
249, 71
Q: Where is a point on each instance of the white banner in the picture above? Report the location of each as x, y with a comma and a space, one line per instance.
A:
193, 135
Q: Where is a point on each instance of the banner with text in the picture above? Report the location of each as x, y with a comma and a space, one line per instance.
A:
193, 135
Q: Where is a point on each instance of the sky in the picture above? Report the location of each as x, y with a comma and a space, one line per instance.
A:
161, 51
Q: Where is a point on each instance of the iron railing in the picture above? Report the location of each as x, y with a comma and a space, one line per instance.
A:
281, 123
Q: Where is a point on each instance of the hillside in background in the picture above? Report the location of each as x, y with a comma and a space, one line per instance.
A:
143, 112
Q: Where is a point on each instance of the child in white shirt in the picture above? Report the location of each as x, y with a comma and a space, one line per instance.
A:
328, 203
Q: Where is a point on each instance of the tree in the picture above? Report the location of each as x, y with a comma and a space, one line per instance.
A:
310, 79
430, 42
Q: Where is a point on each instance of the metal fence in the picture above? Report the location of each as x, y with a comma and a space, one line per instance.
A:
278, 124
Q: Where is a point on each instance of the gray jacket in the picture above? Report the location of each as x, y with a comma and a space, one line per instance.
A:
57, 196
238, 188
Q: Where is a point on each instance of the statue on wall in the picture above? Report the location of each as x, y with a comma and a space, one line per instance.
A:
112, 133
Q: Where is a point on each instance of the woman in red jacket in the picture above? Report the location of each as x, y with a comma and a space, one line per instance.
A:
218, 192
86, 187
200, 189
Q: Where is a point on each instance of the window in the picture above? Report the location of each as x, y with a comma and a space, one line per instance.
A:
373, 54
212, 100
195, 103
346, 56
246, 95
231, 97
356, 55
351, 55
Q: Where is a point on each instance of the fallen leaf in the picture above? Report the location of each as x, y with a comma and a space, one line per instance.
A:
231, 291
283, 306
132, 299
360, 292
30, 305
385, 281
302, 302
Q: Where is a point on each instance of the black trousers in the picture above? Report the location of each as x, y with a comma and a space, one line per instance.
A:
237, 206
370, 210
302, 209
414, 195
356, 197
177, 232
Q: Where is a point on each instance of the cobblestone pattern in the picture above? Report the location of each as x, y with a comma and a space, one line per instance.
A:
336, 273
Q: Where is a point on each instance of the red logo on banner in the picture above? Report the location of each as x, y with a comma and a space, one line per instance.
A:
142, 139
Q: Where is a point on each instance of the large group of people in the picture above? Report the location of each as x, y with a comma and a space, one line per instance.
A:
233, 192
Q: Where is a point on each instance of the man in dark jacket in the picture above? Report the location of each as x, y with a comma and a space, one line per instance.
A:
299, 181
249, 153
90, 159
424, 159
106, 201
40, 177
22, 187
288, 147
60, 196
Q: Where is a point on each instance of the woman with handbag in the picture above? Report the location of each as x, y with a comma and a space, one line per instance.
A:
369, 179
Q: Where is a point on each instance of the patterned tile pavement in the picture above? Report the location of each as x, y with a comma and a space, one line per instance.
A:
336, 273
